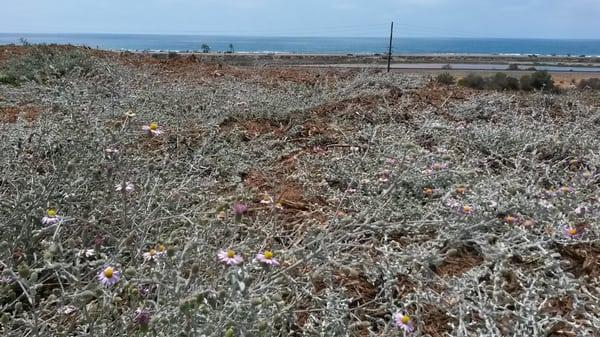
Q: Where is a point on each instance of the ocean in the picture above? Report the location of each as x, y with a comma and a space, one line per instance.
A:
316, 45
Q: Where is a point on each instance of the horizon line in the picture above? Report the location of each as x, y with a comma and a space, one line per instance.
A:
304, 36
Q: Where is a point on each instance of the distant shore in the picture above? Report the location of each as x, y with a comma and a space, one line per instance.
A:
475, 62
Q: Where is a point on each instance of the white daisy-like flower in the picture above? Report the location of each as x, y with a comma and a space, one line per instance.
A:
68, 309
86, 253
51, 217
150, 255
109, 276
152, 129
267, 258
229, 257
404, 322
126, 187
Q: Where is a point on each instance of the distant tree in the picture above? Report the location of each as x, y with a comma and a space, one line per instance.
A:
231, 49
205, 48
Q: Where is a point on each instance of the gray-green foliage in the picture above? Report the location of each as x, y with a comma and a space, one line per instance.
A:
357, 247
41, 63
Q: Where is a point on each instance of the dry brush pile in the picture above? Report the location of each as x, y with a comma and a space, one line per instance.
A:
267, 202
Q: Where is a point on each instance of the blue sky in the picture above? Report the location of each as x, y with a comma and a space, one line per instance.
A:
416, 18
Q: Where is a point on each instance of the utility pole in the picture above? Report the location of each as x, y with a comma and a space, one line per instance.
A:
390, 49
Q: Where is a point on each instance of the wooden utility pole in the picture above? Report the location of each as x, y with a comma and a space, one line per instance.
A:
390, 49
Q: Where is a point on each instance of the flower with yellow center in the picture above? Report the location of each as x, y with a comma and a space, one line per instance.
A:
428, 191
108, 272
109, 276
152, 129
51, 217
572, 232
51, 212
229, 257
467, 209
267, 257
403, 322
461, 190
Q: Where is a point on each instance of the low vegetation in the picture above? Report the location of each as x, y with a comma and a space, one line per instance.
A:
445, 78
177, 198
44, 62
590, 83
539, 80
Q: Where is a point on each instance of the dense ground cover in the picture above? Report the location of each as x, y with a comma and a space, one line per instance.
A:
473, 212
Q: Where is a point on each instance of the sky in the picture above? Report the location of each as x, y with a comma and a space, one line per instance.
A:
413, 18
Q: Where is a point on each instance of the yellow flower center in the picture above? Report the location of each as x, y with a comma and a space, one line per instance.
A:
108, 272
461, 190
467, 209
509, 219
51, 212
572, 231
268, 254
565, 189
153, 126
161, 248
405, 319
230, 254
152, 252
428, 191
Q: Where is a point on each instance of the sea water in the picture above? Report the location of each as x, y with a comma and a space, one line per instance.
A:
316, 45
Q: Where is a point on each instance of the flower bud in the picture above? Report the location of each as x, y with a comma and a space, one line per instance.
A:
23, 270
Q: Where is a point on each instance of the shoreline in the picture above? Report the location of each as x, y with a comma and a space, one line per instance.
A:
490, 62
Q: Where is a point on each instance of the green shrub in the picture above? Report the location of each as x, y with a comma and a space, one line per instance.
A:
590, 83
42, 62
542, 80
526, 83
502, 82
445, 78
472, 81
9, 79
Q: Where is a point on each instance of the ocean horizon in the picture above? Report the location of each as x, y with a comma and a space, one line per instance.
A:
316, 45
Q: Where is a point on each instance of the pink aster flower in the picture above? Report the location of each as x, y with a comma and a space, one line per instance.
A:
151, 256
109, 276
403, 322
581, 210
267, 258
142, 317
229, 257
240, 209
572, 232
384, 175
152, 129
51, 218
125, 187
436, 167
